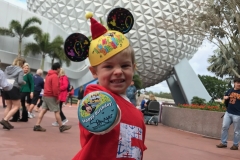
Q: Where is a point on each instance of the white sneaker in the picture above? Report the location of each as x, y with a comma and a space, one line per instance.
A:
30, 115
55, 124
33, 115
70, 106
64, 105
64, 121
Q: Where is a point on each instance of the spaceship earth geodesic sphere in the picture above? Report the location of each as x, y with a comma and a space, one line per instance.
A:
157, 47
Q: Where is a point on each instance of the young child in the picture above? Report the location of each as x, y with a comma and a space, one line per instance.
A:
114, 69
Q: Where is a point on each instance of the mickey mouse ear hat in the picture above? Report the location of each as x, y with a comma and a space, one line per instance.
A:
105, 43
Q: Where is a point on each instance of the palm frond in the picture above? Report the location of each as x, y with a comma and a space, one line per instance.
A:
32, 48
16, 27
58, 53
32, 30
6, 32
38, 37
44, 43
30, 21
67, 61
57, 41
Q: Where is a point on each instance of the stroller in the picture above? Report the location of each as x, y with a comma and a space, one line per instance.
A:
152, 113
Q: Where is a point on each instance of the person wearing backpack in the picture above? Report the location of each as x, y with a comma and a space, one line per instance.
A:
26, 93
231, 116
14, 74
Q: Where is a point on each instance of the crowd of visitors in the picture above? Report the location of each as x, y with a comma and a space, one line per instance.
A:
24, 92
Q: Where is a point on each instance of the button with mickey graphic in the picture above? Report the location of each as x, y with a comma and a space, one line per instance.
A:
98, 112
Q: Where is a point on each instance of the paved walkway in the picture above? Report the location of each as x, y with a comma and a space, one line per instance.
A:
163, 142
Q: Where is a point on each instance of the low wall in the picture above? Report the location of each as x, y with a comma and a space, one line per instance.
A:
208, 123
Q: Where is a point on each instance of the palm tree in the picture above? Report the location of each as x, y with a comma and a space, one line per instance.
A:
59, 54
21, 31
220, 66
43, 46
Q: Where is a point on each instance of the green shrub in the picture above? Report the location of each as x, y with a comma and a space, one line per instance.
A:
198, 100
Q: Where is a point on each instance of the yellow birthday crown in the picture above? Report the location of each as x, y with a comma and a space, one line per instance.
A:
104, 44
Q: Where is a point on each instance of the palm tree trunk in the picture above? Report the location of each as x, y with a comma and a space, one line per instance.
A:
52, 61
42, 62
20, 47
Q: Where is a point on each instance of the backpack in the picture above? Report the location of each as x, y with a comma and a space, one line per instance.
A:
68, 87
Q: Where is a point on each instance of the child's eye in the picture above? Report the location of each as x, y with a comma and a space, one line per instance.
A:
107, 66
126, 65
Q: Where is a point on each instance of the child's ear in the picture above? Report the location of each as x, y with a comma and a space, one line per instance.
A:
134, 67
93, 71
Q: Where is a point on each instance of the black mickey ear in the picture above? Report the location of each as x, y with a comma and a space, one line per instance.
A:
120, 19
76, 47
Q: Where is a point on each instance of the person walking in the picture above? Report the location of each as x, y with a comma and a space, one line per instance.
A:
80, 95
3, 99
38, 87
63, 82
40, 101
4, 85
131, 93
50, 99
14, 74
26, 92
70, 96
231, 116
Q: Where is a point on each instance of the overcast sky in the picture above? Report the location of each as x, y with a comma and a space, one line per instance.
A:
198, 62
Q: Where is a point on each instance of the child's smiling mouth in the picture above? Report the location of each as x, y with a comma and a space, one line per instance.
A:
117, 81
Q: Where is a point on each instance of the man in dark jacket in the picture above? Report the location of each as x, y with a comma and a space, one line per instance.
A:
38, 86
50, 99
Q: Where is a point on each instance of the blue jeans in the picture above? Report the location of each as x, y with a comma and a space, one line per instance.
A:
228, 119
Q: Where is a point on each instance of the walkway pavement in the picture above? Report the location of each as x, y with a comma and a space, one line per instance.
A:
163, 142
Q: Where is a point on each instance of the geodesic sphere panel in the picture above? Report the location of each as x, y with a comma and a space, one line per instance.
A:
157, 46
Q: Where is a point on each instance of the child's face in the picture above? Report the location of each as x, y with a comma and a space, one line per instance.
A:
115, 74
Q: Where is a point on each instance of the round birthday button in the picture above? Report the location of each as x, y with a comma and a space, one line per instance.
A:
120, 19
98, 112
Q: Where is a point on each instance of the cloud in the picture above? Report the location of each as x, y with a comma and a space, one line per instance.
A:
160, 87
19, 3
199, 61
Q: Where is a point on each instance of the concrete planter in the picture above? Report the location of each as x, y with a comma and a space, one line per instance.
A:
207, 123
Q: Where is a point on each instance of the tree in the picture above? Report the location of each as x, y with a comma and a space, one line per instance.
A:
215, 87
17, 30
43, 46
219, 22
161, 94
137, 81
59, 54
219, 65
